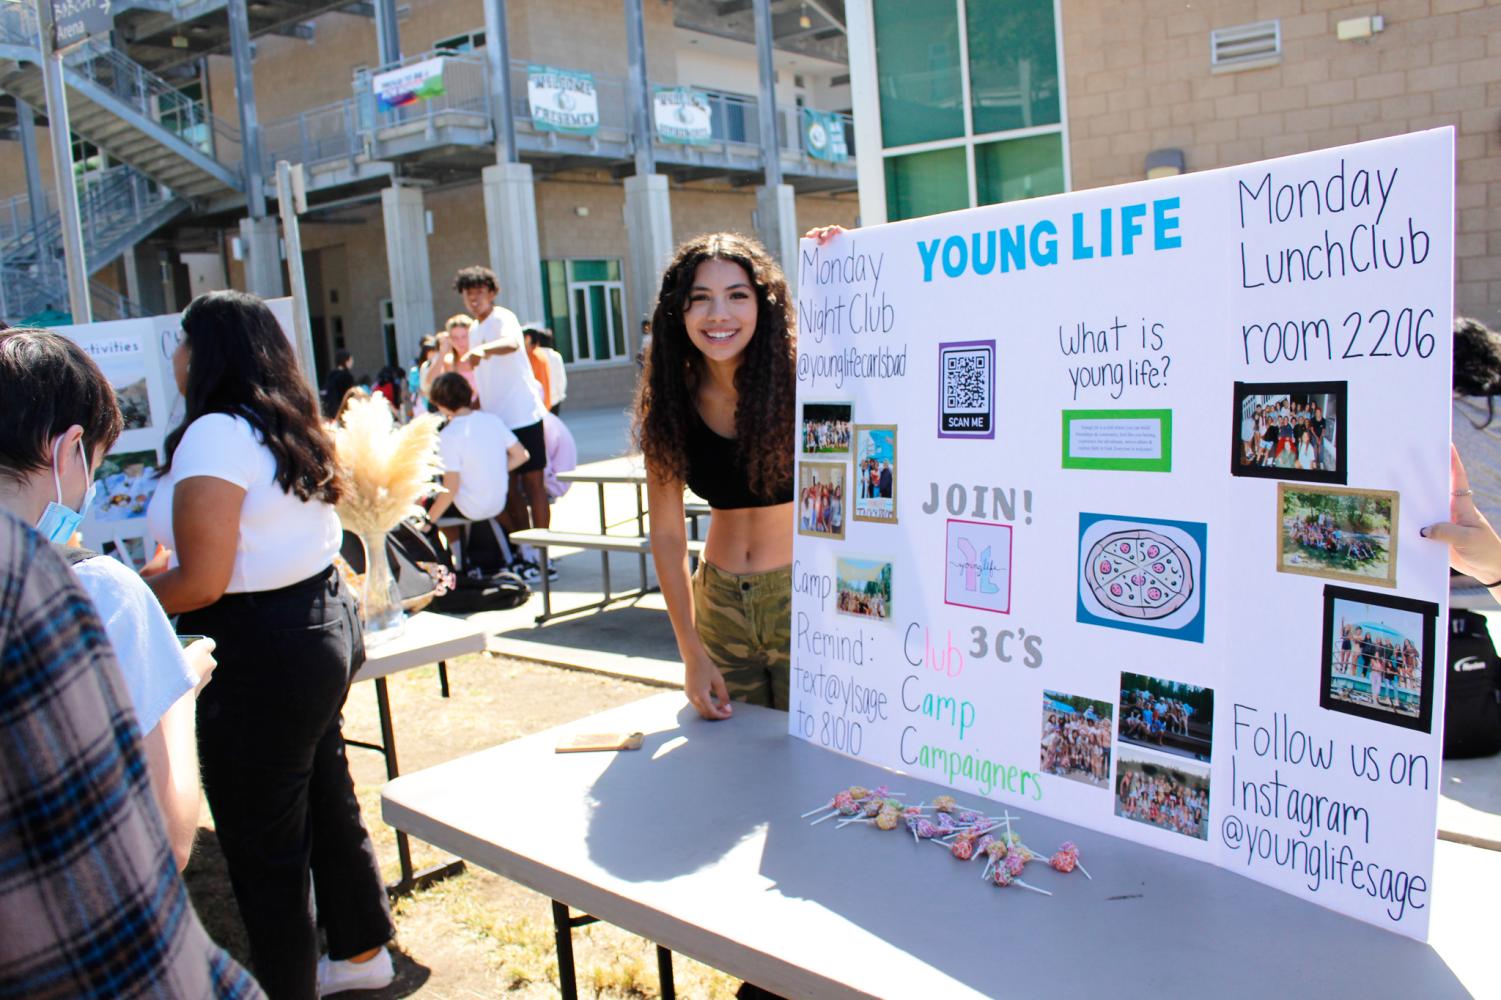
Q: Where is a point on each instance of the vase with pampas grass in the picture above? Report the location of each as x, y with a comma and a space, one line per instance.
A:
386, 470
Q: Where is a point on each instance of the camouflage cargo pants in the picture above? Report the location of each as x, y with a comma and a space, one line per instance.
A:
745, 622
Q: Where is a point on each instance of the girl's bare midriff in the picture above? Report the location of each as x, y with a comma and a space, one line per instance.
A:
750, 539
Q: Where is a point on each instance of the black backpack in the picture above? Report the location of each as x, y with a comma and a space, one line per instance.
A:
1472, 707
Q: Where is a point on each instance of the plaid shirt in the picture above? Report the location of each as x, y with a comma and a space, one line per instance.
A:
91, 903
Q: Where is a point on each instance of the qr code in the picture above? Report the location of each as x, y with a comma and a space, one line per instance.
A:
966, 382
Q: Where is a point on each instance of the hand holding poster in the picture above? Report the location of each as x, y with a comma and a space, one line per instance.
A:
1142, 470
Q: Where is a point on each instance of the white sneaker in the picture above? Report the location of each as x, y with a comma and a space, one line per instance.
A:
336, 977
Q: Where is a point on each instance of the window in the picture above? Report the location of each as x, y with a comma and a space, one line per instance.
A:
918, 72
1019, 168
388, 330
585, 305
926, 183
466, 42
1013, 64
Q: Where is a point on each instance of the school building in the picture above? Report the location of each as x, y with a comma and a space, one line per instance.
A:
570, 144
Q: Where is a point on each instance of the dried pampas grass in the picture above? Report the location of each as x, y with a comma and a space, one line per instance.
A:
386, 468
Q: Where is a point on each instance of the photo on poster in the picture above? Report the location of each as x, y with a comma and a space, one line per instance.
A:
123, 361
827, 428
1290, 430
1338, 533
127, 480
1167, 716
875, 473
966, 389
1076, 738
1118, 440
977, 571
820, 499
864, 587
1377, 657
1168, 793
1142, 574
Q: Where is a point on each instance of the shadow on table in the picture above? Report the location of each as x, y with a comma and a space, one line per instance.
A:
917, 898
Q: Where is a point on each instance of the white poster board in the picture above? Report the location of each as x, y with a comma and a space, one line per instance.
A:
682, 115
1056, 548
136, 356
562, 100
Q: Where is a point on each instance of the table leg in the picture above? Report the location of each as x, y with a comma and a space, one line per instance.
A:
443, 677
563, 924
604, 525
546, 588
664, 973
410, 880
641, 532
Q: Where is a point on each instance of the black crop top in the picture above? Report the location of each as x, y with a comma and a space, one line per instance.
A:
716, 473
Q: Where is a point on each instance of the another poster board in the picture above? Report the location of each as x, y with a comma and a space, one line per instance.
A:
682, 115
405, 85
136, 356
823, 135
1100, 590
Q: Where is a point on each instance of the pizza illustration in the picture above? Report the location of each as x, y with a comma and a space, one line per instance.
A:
1139, 574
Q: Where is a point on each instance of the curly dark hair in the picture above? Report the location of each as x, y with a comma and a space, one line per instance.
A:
243, 365
476, 276
765, 381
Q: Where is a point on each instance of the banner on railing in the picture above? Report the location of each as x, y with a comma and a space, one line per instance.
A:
397, 88
823, 136
562, 100
682, 115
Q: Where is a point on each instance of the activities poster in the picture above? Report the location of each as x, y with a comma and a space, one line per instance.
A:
136, 356
1128, 486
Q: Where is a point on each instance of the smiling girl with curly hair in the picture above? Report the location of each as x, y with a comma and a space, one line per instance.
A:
714, 412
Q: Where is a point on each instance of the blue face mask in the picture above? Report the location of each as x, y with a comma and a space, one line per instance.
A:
59, 522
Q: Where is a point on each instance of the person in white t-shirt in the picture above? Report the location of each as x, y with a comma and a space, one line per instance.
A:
245, 505
507, 387
58, 419
474, 484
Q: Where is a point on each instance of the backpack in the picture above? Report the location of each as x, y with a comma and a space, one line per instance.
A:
1472, 705
410, 554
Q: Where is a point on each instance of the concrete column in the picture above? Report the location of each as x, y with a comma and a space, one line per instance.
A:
406, 260
36, 195
498, 66
776, 225
638, 92
132, 264
648, 229
250, 129
511, 223
769, 195
387, 33
261, 244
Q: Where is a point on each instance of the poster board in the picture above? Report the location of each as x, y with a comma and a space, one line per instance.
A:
136, 356
420, 81
1081, 566
682, 115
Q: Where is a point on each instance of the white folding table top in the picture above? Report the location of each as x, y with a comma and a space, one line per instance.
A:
428, 638
695, 842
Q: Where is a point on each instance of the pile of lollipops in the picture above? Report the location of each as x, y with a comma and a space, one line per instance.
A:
965, 833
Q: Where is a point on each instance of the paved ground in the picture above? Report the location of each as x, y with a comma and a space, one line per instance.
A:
634, 640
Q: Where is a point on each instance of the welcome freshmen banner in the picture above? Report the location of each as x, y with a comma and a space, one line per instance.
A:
1109, 507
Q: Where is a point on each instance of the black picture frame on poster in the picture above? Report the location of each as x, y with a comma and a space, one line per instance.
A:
1329, 651
1339, 475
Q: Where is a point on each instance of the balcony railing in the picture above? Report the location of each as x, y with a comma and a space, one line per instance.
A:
350, 128
187, 118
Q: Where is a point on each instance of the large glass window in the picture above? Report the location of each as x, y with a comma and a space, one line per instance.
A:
585, 305
926, 183
917, 62
1013, 64
1018, 168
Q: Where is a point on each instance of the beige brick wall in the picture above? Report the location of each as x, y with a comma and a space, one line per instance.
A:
1437, 63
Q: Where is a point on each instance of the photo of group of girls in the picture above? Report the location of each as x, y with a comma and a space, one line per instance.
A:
1173, 797
1076, 738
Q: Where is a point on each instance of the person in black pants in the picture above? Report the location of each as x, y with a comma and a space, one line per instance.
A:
245, 506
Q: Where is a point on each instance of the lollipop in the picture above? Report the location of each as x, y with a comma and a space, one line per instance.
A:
1014, 864
921, 828
969, 818
962, 849
872, 807
887, 819
1069, 846
944, 822
1001, 877
1021, 851
858, 791
1067, 859
845, 803
944, 803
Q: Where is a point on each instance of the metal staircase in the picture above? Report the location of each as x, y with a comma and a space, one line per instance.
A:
127, 111
118, 208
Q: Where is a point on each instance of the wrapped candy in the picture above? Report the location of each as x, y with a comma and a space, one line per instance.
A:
921, 828
858, 791
1063, 861
944, 822
968, 818
1069, 846
845, 804
995, 850
872, 807
944, 803
887, 819
962, 849
1014, 864
1021, 851
1001, 877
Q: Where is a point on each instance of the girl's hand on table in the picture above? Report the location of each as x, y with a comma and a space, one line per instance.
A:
704, 686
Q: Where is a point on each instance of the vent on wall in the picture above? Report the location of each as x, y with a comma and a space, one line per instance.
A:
1246, 46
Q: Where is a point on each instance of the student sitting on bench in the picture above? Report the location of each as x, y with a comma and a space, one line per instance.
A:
473, 481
